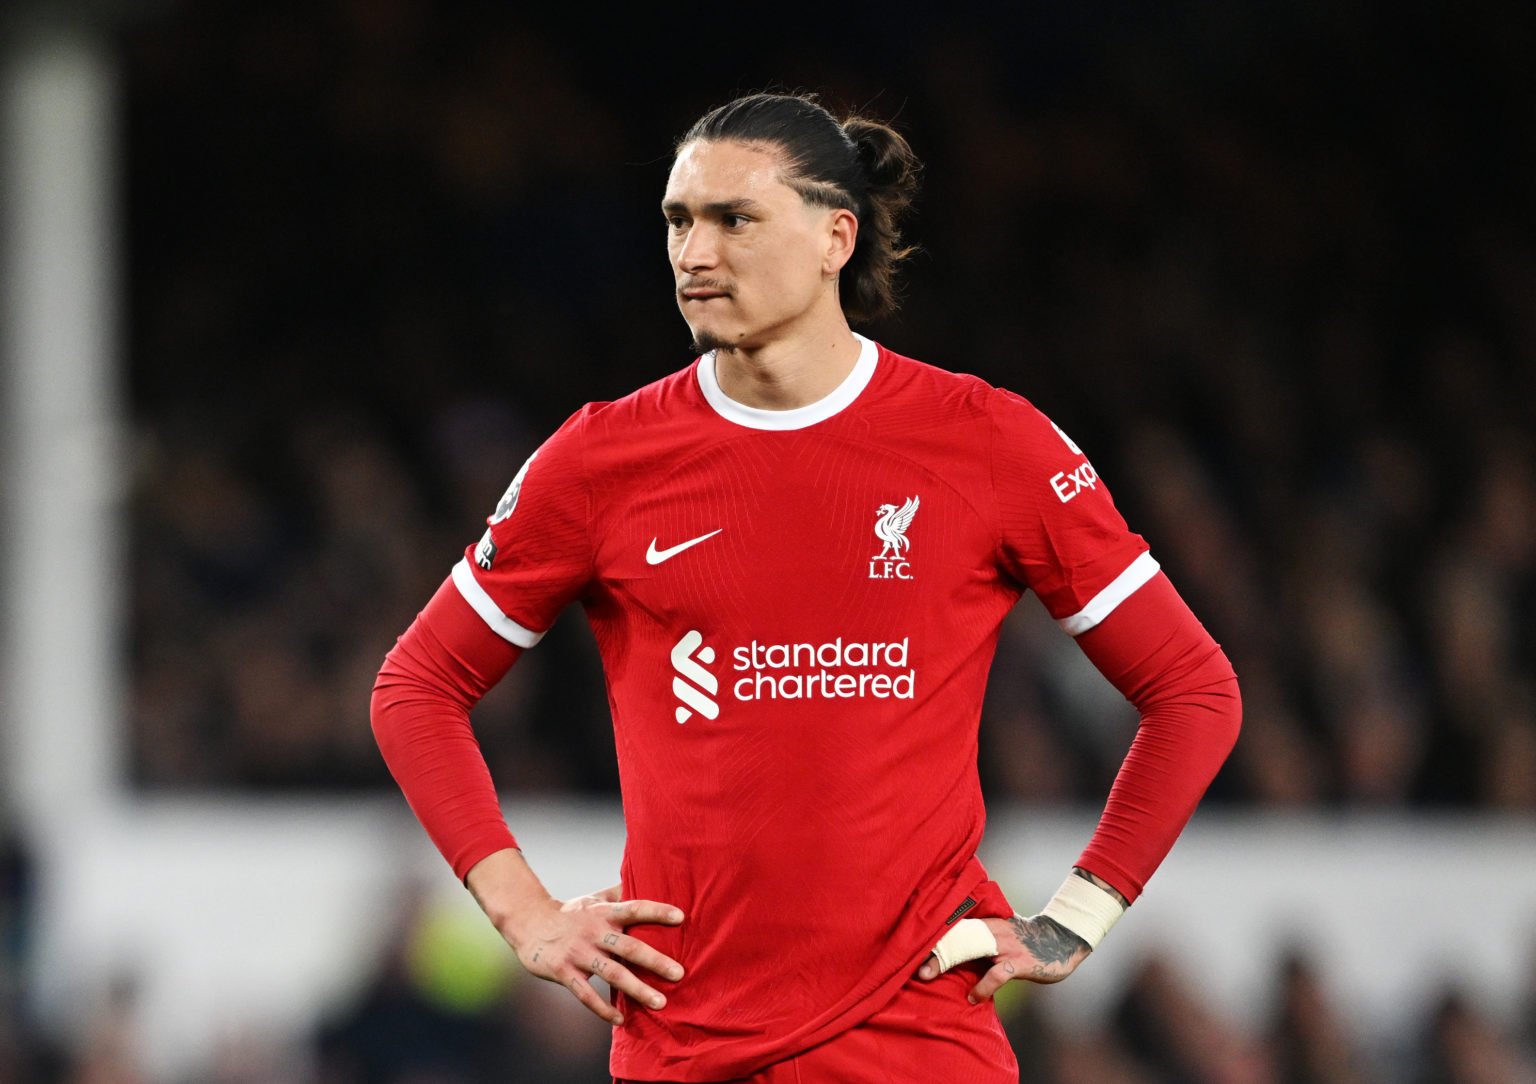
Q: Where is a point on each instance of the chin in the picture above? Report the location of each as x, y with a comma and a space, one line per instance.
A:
706, 339
704, 342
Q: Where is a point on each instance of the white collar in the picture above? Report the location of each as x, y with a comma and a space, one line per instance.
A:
832, 403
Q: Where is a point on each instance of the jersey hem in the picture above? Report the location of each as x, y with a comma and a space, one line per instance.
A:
629, 1060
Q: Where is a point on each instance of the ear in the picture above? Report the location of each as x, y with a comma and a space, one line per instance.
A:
842, 233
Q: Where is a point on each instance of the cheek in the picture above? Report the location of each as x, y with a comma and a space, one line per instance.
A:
800, 279
792, 273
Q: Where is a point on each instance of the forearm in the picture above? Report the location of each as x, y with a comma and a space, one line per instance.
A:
1155, 652
420, 709
434, 757
1178, 749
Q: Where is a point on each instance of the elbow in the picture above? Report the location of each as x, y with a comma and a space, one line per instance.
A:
378, 706
1230, 710
1214, 695
396, 684
1234, 721
380, 716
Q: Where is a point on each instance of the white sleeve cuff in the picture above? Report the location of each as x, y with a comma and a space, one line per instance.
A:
1122, 587
490, 613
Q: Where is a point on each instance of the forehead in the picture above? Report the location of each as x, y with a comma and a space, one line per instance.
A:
722, 171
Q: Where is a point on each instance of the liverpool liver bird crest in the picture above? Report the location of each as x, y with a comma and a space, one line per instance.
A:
891, 527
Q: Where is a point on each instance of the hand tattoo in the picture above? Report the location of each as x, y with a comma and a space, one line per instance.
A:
1047, 940
610, 939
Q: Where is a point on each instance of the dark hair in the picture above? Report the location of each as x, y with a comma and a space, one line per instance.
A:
857, 164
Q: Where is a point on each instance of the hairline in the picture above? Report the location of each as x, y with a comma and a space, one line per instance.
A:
812, 193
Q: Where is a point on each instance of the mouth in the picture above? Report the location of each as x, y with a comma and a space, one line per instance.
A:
703, 289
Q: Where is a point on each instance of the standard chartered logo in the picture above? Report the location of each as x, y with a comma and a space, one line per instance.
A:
700, 695
834, 670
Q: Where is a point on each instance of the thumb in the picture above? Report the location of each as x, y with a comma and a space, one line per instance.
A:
929, 971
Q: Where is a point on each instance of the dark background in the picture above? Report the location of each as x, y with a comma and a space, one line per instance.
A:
1271, 268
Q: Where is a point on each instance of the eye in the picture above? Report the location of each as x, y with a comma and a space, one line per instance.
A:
676, 222
735, 221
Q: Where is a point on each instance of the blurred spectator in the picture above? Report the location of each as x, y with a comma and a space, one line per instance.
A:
397, 1032
1165, 1024
446, 1007
1311, 1042
25, 1054
1462, 1046
109, 1050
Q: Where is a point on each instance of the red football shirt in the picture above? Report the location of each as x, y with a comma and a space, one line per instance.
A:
796, 612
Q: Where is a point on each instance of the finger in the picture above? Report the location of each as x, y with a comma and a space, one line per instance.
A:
578, 985
622, 978
968, 939
929, 971
640, 954
629, 912
992, 981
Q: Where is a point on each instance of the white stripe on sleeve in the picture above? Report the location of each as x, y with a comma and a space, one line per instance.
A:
1120, 588
485, 606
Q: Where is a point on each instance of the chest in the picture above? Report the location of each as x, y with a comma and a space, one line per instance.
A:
786, 528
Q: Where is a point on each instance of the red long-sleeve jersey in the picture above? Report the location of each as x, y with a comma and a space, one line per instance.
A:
796, 612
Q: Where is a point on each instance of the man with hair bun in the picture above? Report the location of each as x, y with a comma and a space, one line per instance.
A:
796, 555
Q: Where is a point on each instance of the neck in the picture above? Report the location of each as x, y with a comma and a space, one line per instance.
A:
785, 375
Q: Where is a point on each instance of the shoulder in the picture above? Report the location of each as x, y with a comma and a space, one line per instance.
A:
953, 393
1009, 431
1016, 418
600, 421
608, 441
946, 393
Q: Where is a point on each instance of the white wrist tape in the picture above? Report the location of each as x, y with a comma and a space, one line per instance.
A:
1084, 908
968, 939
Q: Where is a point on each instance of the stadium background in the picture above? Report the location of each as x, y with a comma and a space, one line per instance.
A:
1273, 268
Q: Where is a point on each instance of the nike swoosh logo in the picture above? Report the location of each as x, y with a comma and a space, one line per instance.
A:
654, 556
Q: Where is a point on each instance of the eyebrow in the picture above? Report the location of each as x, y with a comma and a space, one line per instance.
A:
714, 210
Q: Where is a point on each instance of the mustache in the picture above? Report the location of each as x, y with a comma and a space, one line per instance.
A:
706, 284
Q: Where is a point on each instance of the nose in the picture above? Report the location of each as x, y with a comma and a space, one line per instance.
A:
698, 251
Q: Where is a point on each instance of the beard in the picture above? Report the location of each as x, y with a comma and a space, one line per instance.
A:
704, 342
